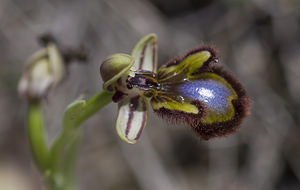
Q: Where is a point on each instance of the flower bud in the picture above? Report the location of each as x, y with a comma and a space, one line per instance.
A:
44, 70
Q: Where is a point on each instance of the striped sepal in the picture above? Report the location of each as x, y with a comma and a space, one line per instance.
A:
145, 53
132, 118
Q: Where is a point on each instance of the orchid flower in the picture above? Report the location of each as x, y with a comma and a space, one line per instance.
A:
192, 89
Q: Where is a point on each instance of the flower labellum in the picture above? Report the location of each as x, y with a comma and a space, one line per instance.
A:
191, 89
41, 73
194, 90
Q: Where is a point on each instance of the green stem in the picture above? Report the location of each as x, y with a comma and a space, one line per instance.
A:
36, 135
94, 104
69, 168
64, 148
62, 176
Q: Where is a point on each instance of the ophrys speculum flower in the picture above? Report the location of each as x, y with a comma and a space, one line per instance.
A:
192, 89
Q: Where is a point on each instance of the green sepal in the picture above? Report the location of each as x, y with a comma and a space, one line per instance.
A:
113, 68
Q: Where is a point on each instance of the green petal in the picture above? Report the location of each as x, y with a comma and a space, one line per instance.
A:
145, 53
132, 118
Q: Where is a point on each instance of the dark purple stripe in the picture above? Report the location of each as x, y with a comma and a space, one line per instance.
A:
141, 63
154, 57
133, 104
128, 126
144, 120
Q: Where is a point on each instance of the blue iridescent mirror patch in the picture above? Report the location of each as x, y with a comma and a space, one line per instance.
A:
212, 93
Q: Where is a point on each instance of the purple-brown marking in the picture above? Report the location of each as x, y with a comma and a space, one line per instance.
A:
133, 104
118, 96
141, 63
144, 120
154, 58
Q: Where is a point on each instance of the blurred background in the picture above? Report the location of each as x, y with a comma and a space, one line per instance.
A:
258, 40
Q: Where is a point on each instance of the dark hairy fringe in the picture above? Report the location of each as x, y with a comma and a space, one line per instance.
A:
241, 107
207, 131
